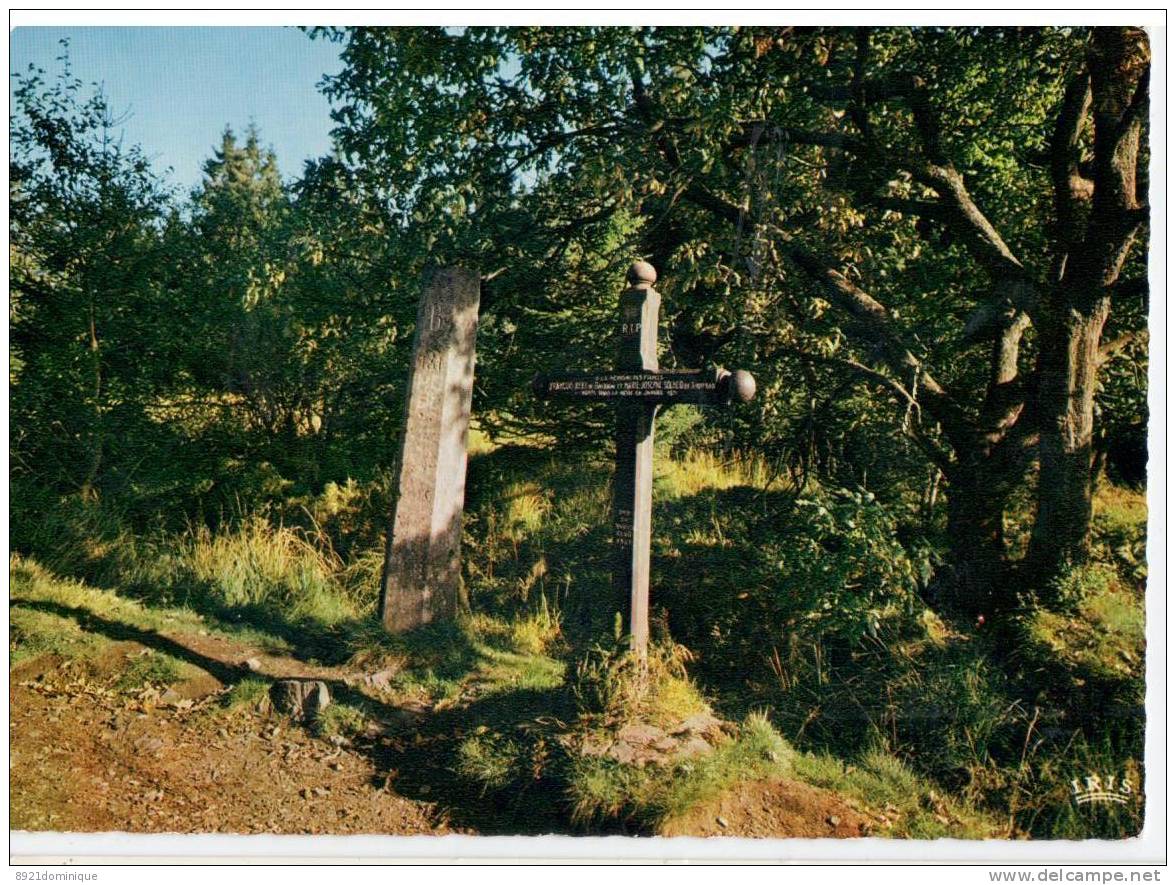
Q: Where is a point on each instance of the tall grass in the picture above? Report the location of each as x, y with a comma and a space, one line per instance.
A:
258, 564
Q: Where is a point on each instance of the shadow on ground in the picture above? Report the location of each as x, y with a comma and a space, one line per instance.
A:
416, 756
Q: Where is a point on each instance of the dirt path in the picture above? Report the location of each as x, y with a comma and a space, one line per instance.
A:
87, 758
90, 754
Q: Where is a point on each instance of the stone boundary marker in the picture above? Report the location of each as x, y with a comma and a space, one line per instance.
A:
422, 564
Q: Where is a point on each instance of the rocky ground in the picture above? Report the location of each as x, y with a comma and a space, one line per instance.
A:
87, 758
770, 809
89, 754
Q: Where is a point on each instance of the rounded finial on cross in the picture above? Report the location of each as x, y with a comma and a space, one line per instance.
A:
743, 386
642, 275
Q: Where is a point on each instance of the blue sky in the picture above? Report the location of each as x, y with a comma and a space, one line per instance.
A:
182, 85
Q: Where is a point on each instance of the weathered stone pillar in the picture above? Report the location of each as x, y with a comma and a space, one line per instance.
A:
422, 564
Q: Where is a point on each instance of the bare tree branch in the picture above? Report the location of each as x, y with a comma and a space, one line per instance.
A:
1110, 349
905, 398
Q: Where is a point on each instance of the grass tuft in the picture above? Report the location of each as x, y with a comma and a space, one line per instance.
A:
601, 788
250, 692
490, 759
907, 805
340, 720
611, 686
152, 668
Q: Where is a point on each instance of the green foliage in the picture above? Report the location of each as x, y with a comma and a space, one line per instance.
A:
250, 692
340, 720
153, 669
826, 567
90, 271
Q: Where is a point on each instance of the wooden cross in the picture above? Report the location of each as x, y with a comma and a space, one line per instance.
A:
638, 389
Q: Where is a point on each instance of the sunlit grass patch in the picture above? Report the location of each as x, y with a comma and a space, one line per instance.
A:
1116, 613
259, 564
612, 686
525, 508
478, 442
702, 470
1119, 531
249, 692
340, 720
499, 671
1118, 505
532, 632
35, 632
150, 668
1105, 635
32, 583
601, 788
906, 804
476, 652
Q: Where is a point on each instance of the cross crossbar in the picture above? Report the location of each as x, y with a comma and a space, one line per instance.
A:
700, 387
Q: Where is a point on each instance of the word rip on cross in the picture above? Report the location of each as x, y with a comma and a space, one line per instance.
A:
638, 389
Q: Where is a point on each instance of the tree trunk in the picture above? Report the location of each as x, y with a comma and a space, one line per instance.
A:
1068, 365
978, 493
97, 434
975, 525
1074, 311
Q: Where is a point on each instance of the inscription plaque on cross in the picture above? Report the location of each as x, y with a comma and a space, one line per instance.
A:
638, 388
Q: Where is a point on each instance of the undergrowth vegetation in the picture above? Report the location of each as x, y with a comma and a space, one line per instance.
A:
796, 612
602, 788
875, 573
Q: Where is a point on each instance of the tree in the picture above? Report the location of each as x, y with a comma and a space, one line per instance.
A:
87, 285
844, 206
238, 218
291, 291
1099, 211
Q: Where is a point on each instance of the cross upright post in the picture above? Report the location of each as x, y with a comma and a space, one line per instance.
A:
633, 481
638, 388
